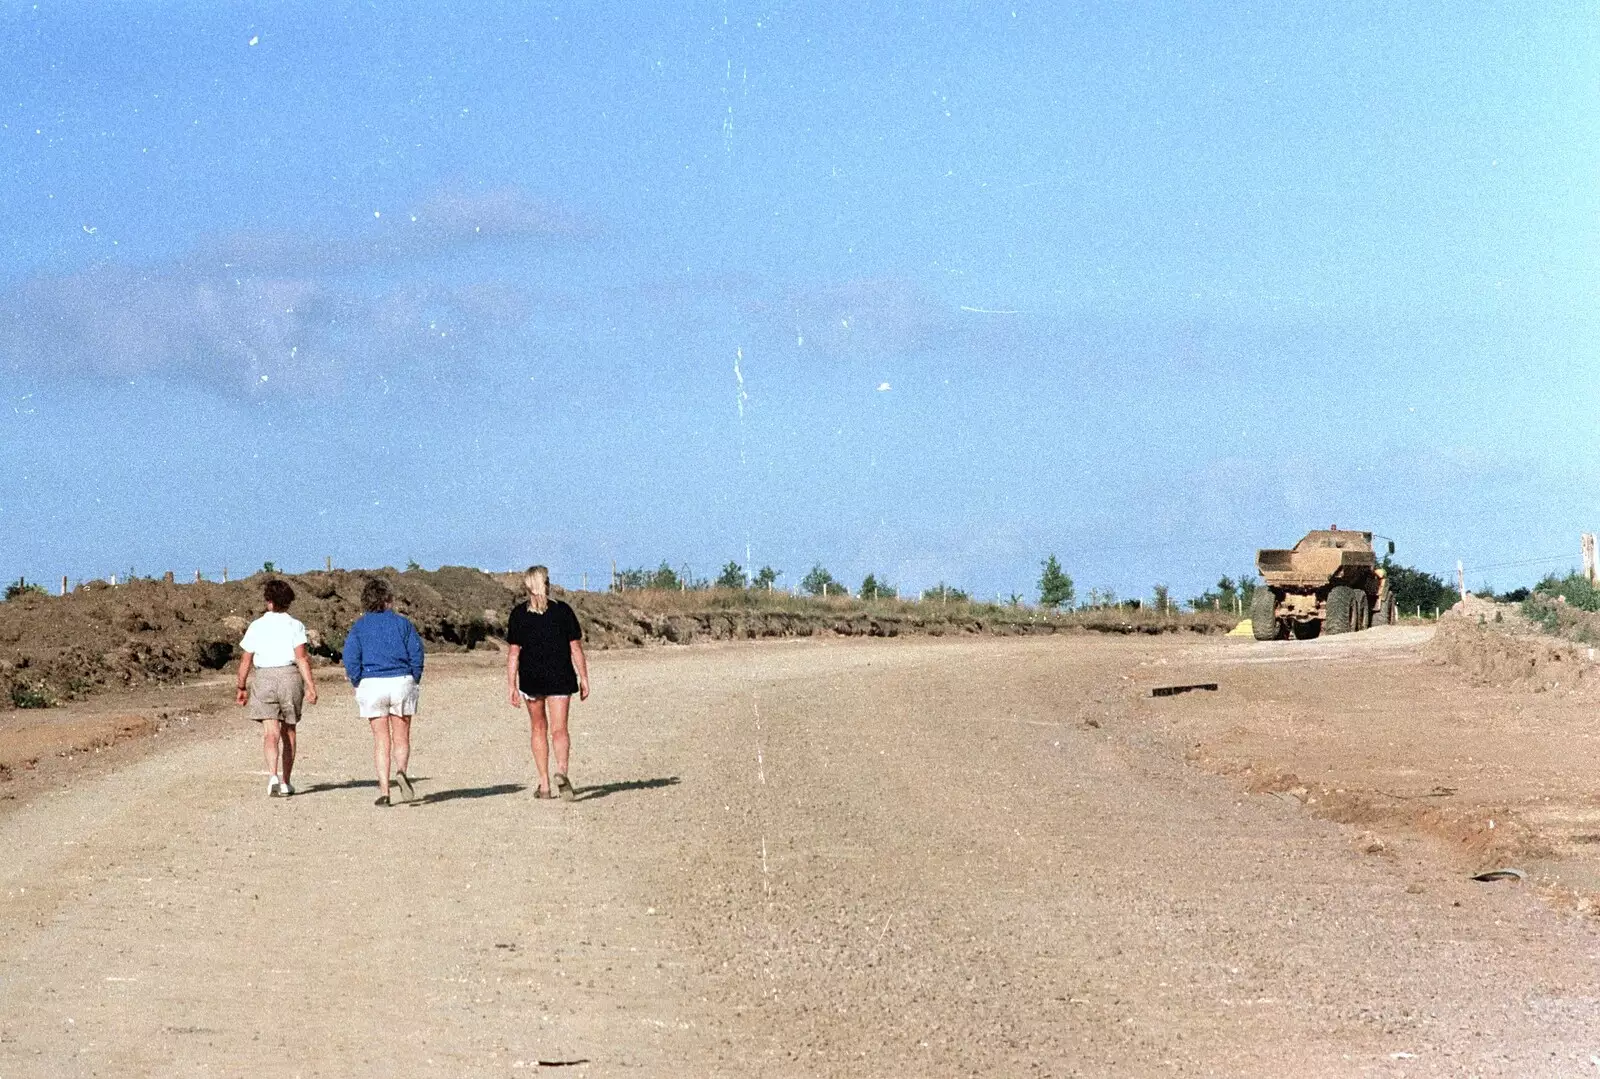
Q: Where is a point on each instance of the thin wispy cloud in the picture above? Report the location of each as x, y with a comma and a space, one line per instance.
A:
253, 312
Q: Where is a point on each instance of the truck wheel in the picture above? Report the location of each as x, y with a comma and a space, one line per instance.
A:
1380, 613
1263, 615
1343, 609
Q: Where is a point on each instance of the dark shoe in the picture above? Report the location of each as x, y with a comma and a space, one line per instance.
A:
383, 800
404, 782
563, 787
540, 792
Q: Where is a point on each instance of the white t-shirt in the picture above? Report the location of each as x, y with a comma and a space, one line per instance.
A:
272, 639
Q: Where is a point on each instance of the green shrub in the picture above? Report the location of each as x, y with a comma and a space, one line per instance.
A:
20, 587
1228, 595
26, 696
1415, 590
1574, 587
662, 579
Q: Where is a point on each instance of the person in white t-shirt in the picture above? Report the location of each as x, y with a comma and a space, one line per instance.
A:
274, 646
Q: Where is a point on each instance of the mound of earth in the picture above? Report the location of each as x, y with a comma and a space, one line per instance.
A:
1491, 654
55, 648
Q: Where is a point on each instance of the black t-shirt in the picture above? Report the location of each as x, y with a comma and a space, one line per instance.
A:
544, 667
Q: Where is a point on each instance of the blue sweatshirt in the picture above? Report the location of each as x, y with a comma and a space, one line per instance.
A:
382, 644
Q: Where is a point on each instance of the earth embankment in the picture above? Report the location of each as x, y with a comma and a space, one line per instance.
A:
102, 637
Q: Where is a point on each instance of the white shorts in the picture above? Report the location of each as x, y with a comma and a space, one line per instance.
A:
392, 696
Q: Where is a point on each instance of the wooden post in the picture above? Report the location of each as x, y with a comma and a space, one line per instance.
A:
224, 574
1461, 579
113, 580
1588, 556
586, 582
63, 584
196, 576
329, 561
613, 575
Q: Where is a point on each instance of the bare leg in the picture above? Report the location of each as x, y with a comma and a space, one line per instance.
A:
538, 732
271, 744
380, 752
400, 741
560, 741
289, 732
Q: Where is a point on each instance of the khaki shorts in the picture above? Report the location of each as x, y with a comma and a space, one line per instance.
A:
276, 693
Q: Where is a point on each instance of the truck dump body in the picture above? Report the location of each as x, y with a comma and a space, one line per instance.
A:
1320, 559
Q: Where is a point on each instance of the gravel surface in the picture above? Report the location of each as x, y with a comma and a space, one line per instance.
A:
862, 858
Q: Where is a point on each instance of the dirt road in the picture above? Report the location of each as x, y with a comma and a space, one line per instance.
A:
862, 858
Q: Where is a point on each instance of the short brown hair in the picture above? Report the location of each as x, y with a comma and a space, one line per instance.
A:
376, 594
278, 593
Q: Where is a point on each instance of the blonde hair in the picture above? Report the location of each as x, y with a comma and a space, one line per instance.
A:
537, 582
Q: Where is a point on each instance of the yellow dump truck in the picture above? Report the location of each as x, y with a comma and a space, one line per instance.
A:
1330, 582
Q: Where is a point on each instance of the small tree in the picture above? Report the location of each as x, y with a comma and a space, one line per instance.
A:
732, 576
872, 588
1055, 587
766, 577
819, 582
666, 579
945, 593
1163, 596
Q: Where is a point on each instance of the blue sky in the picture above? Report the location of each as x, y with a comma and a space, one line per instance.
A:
1144, 285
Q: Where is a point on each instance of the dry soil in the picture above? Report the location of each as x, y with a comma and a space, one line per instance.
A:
972, 856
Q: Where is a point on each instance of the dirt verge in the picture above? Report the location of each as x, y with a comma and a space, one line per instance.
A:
1526, 661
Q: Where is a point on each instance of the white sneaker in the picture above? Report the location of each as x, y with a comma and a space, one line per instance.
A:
285, 789
273, 786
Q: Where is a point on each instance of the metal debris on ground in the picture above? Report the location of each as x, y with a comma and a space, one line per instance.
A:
1500, 874
1173, 691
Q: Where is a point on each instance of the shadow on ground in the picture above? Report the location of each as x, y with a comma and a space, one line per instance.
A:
600, 790
469, 792
347, 785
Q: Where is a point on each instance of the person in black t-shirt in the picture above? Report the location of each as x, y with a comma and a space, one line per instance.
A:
545, 665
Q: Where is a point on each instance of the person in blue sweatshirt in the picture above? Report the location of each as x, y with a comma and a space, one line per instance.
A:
383, 657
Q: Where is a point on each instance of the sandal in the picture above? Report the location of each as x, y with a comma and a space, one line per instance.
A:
407, 794
383, 800
563, 787
540, 792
